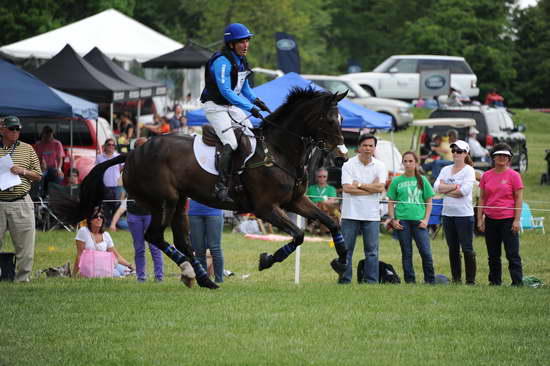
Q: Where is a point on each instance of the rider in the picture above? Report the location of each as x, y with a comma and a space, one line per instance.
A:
227, 96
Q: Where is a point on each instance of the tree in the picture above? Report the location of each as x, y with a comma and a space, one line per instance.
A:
478, 30
533, 57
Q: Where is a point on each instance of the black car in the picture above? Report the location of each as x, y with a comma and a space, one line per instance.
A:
495, 125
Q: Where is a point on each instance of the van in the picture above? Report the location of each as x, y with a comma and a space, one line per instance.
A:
399, 76
86, 139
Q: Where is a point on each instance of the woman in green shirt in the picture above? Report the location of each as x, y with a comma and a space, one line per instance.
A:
409, 209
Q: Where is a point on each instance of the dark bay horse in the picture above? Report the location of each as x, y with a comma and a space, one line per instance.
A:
164, 172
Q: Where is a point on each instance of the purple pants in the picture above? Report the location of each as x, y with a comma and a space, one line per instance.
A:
138, 224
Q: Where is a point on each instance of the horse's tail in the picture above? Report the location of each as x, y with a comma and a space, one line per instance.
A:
91, 194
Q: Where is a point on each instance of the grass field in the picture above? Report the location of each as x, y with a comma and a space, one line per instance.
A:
264, 318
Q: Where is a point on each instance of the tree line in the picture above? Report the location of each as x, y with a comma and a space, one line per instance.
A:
507, 47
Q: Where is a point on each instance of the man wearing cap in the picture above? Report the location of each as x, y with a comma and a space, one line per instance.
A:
228, 98
16, 206
476, 150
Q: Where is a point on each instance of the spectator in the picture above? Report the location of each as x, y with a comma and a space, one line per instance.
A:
454, 98
363, 179
175, 121
494, 99
110, 180
16, 207
476, 150
126, 127
94, 237
409, 211
444, 151
456, 182
50, 153
324, 196
161, 128
206, 226
499, 213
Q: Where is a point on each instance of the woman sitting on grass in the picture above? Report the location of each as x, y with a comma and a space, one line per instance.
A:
411, 193
93, 237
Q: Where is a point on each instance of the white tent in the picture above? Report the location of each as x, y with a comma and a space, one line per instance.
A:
115, 34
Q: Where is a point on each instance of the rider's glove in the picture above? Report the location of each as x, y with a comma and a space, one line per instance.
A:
260, 103
256, 113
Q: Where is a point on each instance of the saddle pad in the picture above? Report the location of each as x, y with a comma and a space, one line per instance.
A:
205, 154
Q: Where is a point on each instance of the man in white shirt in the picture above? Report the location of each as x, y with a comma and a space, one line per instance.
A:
363, 181
476, 150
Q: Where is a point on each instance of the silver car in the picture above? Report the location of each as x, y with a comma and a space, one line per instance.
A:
398, 110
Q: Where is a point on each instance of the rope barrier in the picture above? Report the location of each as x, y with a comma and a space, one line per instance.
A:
364, 198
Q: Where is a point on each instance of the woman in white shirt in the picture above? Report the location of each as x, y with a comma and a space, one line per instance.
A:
456, 182
94, 237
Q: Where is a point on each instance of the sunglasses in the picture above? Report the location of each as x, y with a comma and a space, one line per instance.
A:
97, 216
458, 151
14, 128
109, 144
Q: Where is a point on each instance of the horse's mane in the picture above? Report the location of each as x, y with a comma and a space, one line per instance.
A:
296, 97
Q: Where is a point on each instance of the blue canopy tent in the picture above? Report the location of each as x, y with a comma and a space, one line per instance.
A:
80, 107
23, 95
274, 93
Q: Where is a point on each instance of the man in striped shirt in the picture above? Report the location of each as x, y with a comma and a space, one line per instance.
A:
16, 207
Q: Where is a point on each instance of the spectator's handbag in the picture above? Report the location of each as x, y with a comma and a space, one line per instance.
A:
96, 263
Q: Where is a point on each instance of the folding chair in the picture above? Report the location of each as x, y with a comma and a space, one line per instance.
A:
435, 217
529, 222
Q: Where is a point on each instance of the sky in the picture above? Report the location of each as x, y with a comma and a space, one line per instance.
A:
526, 3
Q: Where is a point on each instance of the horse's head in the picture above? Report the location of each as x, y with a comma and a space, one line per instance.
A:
326, 128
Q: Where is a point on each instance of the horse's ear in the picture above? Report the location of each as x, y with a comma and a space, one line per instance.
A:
339, 97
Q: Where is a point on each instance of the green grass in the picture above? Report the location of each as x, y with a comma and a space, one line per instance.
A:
266, 319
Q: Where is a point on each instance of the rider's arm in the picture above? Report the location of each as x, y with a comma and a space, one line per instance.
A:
247, 92
222, 73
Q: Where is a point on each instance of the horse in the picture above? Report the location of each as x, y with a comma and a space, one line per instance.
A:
162, 173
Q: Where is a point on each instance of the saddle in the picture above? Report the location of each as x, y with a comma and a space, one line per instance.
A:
244, 149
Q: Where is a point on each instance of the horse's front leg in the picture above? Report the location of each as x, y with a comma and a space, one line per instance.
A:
278, 218
304, 207
180, 231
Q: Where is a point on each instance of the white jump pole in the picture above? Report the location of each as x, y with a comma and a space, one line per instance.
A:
300, 222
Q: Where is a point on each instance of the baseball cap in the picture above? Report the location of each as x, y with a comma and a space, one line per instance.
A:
12, 121
462, 145
474, 130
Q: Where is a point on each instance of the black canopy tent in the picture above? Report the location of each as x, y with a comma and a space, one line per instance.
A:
69, 72
104, 64
191, 56
147, 89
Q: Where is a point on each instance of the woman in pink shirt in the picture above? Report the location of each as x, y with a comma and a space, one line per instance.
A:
501, 196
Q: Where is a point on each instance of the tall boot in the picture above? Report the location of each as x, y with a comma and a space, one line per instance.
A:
456, 266
221, 188
470, 267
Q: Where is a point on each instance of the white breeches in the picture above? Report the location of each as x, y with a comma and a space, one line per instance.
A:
221, 118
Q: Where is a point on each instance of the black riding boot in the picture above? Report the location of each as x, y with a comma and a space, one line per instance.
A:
456, 264
470, 267
221, 189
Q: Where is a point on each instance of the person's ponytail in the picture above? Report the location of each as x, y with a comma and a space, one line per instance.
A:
468, 160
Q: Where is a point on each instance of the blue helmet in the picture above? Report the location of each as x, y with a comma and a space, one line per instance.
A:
236, 31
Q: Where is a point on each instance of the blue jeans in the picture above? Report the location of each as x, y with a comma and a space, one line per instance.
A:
206, 233
371, 232
422, 239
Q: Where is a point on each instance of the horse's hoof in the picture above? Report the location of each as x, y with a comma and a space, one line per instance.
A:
205, 281
189, 282
338, 266
266, 261
187, 270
